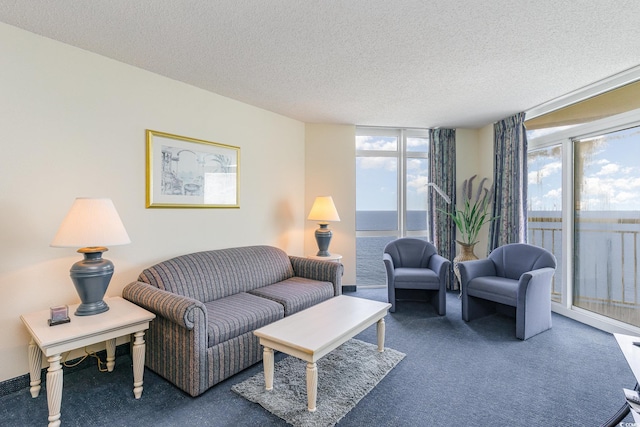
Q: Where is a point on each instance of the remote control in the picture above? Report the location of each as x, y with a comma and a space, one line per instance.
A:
633, 398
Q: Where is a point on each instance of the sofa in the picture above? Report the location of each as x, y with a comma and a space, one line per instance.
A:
207, 305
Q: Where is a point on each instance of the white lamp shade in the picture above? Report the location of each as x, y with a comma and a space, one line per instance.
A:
323, 209
91, 222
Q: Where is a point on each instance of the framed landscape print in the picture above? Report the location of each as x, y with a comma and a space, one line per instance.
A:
191, 173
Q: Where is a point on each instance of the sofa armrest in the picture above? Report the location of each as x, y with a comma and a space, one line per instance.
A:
179, 309
534, 282
439, 265
469, 270
325, 271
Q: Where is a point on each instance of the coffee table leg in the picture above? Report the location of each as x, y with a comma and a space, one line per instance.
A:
267, 360
312, 386
380, 329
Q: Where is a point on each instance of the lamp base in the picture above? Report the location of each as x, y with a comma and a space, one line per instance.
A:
91, 277
323, 238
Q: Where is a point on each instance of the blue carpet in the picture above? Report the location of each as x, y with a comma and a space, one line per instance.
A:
454, 374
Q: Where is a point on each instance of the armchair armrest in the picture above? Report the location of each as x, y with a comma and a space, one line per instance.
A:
535, 281
469, 270
388, 264
178, 309
439, 265
325, 271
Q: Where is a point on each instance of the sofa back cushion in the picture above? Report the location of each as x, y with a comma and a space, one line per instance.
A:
210, 275
513, 259
408, 252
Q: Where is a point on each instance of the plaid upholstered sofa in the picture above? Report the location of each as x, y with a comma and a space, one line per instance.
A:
208, 304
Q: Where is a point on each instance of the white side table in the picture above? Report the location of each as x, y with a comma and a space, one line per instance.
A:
122, 318
332, 257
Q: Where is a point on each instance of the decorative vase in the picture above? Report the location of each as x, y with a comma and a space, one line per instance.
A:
466, 254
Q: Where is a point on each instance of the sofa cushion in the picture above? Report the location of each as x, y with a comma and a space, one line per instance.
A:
297, 293
415, 278
210, 275
494, 288
237, 314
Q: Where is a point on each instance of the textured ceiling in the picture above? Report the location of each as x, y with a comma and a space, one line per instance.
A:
429, 63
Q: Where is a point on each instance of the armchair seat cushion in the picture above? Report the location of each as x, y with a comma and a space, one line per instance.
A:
296, 293
494, 288
416, 278
237, 314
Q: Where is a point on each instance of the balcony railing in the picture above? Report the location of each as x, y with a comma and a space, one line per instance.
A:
606, 256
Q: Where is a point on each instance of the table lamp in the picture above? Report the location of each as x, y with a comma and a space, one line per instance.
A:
91, 224
323, 211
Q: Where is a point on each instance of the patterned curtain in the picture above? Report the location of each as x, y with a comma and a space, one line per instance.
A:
442, 172
510, 181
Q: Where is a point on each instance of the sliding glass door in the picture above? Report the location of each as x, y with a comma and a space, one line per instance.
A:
584, 206
607, 224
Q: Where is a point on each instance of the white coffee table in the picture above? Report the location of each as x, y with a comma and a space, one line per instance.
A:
122, 318
312, 333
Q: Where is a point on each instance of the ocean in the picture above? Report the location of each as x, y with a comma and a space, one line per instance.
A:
370, 270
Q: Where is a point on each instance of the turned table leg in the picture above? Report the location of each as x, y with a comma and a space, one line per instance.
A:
35, 365
380, 329
138, 363
54, 389
312, 386
111, 354
268, 363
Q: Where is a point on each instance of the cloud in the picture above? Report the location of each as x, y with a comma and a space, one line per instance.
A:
376, 143
608, 169
535, 177
386, 163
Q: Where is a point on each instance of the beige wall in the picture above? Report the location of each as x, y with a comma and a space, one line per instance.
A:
474, 155
73, 124
330, 171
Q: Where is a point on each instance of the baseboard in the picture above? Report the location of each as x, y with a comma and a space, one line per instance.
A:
13, 385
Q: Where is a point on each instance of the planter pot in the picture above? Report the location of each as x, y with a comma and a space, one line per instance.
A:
465, 254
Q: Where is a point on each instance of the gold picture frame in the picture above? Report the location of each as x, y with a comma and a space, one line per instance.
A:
186, 172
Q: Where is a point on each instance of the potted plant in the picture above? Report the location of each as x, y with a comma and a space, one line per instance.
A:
474, 213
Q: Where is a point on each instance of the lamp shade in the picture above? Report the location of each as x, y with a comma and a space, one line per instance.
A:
91, 222
323, 209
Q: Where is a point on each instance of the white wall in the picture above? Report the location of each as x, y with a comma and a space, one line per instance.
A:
73, 124
330, 170
474, 155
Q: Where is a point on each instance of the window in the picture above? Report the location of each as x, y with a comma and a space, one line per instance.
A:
584, 206
391, 194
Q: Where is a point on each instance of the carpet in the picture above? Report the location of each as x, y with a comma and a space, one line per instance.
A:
345, 376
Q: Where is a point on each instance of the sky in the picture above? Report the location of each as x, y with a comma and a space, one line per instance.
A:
376, 177
608, 171
609, 174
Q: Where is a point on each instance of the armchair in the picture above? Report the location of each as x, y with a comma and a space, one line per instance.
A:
515, 280
414, 264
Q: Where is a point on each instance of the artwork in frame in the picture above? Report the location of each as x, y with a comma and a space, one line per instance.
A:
185, 172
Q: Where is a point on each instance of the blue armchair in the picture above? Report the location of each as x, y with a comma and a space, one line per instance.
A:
516, 280
414, 264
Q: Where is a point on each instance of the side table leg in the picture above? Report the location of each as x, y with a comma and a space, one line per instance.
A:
312, 386
138, 363
54, 389
268, 363
380, 326
35, 365
111, 354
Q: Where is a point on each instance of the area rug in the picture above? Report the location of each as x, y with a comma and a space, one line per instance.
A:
345, 376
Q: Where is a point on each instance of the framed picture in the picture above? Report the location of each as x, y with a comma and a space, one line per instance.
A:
191, 173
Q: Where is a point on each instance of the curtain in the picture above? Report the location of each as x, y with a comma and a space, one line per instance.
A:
510, 181
442, 172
